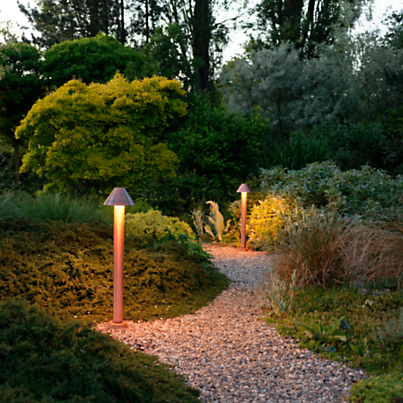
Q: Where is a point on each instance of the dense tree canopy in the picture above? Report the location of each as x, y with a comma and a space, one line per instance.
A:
100, 136
90, 60
305, 23
61, 20
21, 85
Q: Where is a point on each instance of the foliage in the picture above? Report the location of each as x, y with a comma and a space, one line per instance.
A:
47, 206
324, 336
212, 226
355, 145
394, 36
376, 251
392, 333
267, 219
176, 195
368, 191
215, 226
154, 224
385, 388
271, 82
278, 297
20, 87
297, 153
90, 60
102, 135
43, 359
62, 21
304, 23
347, 305
313, 245
67, 269
224, 148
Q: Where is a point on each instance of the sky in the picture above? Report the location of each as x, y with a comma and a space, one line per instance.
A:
10, 11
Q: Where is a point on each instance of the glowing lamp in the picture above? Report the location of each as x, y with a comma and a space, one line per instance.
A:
119, 198
243, 190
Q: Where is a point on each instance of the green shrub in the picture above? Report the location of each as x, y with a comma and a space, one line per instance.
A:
67, 269
44, 360
314, 247
378, 389
355, 145
267, 219
154, 224
296, 153
368, 191
48, 206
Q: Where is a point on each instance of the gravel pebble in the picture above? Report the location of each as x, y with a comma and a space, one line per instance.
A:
227, 352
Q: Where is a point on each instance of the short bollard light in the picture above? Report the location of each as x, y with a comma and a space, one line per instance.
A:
119, 198
243, 190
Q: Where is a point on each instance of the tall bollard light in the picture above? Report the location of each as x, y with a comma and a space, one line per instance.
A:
119, 198
243, 190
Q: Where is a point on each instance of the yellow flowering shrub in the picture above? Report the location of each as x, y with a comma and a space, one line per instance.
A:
153, 223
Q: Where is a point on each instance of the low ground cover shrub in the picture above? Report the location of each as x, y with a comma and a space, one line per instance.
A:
156, 225
43, 360
67, 269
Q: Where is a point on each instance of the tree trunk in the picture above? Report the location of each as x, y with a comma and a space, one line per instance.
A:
201, 42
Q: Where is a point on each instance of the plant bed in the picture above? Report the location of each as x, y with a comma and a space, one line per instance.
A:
43, 359
360, 328
67, 269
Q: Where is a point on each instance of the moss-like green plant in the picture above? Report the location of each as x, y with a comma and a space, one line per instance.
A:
45, 360
67, 269
378, 389
154, 224
391, 335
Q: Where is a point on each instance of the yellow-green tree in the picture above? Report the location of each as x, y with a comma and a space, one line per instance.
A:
98, 136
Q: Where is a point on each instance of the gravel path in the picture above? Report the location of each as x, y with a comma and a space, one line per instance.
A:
230, 355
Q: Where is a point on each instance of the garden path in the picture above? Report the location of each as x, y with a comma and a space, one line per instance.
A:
230, 355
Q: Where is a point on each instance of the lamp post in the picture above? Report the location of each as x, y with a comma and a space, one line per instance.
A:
119, 198
243, 190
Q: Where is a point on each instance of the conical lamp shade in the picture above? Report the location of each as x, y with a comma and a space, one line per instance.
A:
119, 197
243, 188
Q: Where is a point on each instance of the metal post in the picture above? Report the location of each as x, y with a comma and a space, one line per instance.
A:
118, 247
244, 195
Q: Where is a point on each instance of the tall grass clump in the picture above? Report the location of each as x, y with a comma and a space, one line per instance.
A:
49, 206
377, 250
314, 246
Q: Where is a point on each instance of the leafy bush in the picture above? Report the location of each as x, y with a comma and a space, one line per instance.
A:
267, 219
314, 247
225, 148
392, 333
154, 224
43, 360
102, 135
67, 269
48, 206
369, 192
355, 145
386, 388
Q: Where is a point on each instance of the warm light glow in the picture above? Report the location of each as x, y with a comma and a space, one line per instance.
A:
118, 246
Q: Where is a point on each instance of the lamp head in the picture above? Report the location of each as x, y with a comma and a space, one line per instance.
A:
119, 197
243, 188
